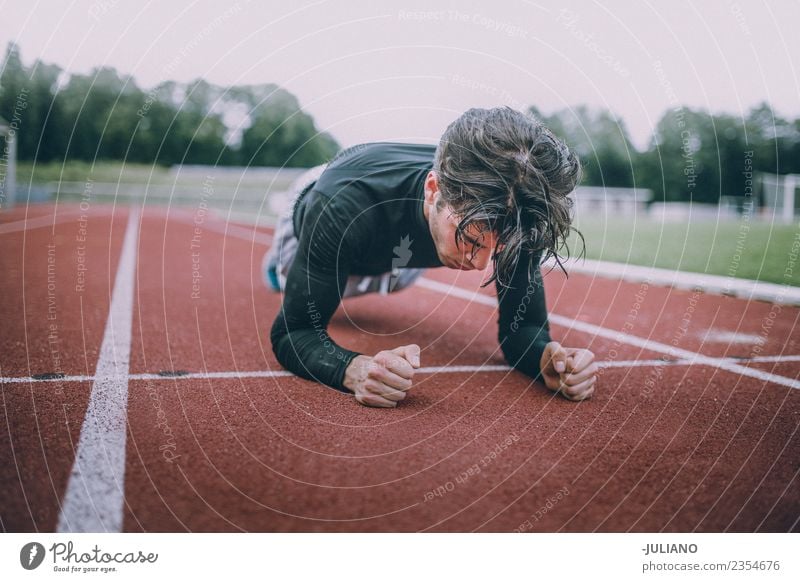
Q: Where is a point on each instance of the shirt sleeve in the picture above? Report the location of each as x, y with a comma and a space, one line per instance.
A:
314, 286
523, 327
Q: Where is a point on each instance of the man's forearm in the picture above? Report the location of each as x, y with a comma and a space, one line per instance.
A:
523, 349
311, 354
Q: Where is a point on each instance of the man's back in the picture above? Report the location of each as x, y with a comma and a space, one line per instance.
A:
371, 195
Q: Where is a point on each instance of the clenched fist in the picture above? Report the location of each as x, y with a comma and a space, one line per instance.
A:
383, 379
572, 372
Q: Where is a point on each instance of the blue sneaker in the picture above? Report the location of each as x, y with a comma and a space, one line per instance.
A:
270, 274
272, 277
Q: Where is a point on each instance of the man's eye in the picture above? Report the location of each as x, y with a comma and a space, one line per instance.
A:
474, 244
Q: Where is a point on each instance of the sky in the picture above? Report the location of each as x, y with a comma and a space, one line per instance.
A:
401, 71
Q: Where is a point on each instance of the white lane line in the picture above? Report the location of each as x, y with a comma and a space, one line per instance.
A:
671, 351
211, 375
37, 222
427, 370
773, 359
95, 493
723, 336
495, 368
25, 379
284, 373
716, 284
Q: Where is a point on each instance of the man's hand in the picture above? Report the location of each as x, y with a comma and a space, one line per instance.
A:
383, 379
569, 371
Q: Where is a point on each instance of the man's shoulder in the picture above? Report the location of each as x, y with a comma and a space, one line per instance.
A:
371, 186
376, 172
379, 154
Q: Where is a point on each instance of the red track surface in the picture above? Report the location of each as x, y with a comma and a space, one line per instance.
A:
674, 448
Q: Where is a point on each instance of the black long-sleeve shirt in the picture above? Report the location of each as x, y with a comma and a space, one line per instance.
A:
367, 201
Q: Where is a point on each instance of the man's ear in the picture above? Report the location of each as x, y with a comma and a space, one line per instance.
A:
431, 187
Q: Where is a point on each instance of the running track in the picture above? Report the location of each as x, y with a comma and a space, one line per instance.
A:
168, 411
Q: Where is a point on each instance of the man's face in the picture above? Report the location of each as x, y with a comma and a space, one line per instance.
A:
442, 222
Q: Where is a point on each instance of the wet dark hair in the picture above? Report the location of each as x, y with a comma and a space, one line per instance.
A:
503, 171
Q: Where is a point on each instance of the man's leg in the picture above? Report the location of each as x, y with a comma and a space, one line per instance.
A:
280, 255
383, 284
284, 246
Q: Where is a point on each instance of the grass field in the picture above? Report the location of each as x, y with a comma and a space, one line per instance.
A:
756, 250
75, 171
113, 172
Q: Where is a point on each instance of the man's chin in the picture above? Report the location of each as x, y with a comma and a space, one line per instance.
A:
452, 264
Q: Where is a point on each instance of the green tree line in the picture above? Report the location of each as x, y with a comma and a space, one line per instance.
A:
106, 116
693, 155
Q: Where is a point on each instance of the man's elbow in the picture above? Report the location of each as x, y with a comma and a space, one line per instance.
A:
278, 337
523, 356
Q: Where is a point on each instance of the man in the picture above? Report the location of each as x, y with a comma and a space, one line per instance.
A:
494, 190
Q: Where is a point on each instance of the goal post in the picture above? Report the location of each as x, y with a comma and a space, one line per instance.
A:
781, 196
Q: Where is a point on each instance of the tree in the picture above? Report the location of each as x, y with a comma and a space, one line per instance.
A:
106, 116
280, 133
774, 140
600, 140
681, 163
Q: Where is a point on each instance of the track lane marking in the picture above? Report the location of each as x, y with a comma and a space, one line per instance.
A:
284, 373
95, 493
37, 222
51, 220
652, 345
425, 370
